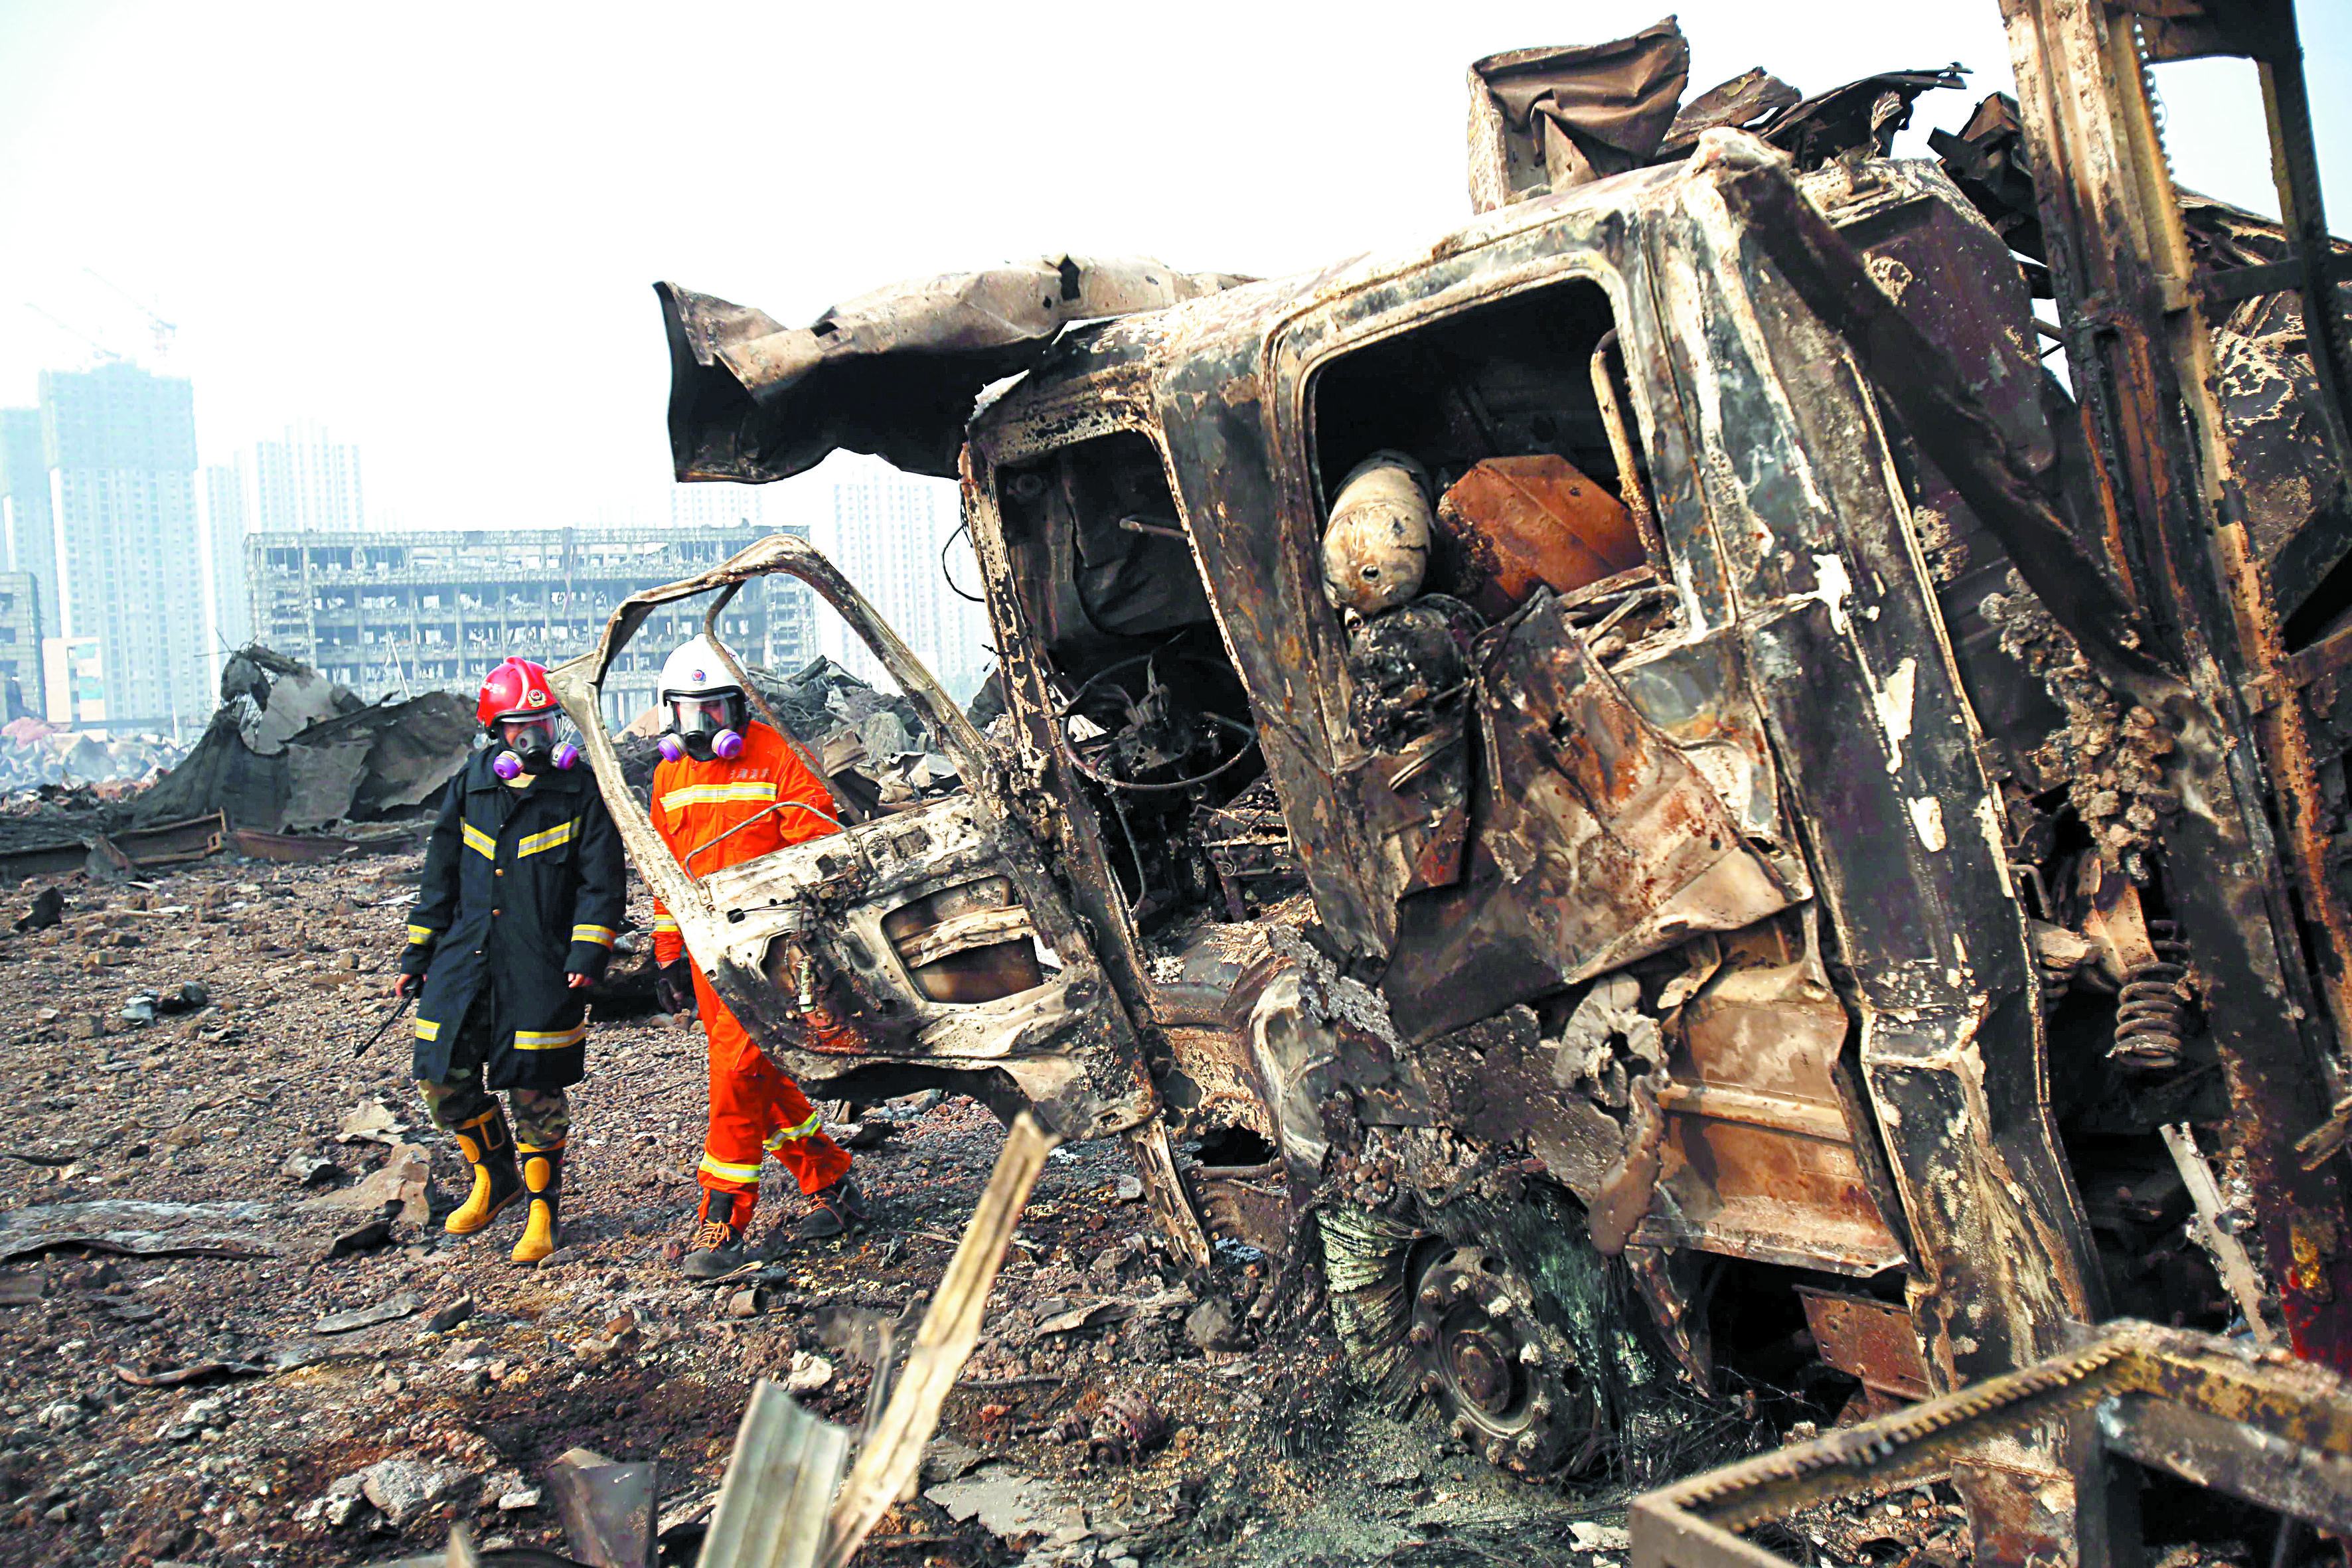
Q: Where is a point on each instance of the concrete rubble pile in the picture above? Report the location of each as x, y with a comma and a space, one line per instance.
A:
34, 752
289, 750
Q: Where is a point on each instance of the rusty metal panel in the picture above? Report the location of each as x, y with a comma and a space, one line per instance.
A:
1873, 1341
1599, 843
795, 940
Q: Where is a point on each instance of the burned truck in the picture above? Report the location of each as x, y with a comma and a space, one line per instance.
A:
1633, 795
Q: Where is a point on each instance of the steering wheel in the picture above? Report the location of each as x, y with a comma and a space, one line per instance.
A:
1088, 754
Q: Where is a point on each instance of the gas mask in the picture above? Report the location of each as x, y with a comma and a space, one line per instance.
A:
530, 748
705, 726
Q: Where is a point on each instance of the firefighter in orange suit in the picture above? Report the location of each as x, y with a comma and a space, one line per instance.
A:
729, 790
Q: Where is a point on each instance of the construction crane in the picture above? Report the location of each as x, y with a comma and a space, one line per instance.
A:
156, 324
105, 355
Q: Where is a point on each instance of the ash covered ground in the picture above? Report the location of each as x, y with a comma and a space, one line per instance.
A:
1164, 1427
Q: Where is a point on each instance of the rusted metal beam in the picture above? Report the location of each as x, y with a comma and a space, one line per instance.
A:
2140, 356
2267, 1428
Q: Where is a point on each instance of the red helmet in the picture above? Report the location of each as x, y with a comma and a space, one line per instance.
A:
516, 689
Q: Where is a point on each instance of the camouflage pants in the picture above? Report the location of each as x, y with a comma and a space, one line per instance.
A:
541, 1116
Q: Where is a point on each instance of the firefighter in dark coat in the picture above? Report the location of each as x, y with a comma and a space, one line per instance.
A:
521, 902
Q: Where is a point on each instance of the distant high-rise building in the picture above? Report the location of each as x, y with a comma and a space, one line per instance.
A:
888, 534
304, 483
719, 504
121, 446
222, 501
28, 543
22, 688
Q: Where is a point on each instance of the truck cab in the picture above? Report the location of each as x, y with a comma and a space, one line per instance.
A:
1637, 955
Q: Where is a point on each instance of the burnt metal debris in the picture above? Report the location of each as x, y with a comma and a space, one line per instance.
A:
2267, 1429
1640, 791
289, 749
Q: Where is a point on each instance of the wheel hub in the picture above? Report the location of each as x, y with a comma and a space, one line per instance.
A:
1499, 1379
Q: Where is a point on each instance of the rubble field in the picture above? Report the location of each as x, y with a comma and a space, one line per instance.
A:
215, 1347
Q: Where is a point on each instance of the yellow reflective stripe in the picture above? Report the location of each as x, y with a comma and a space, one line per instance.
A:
549, 840
663, 923
603, 936
726, 1172
427, 1029
477, 839
422, 934
707, 795
550, 1039
795, 1134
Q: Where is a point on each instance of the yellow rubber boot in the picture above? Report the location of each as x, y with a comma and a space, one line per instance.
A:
542, 1176
489, 1148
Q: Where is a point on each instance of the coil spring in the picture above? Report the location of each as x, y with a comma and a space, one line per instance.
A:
2151, 1009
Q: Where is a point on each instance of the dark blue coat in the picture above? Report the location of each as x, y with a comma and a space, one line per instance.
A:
521, 887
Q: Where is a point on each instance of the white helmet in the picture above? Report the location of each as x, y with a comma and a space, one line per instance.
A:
697, 668
707, 712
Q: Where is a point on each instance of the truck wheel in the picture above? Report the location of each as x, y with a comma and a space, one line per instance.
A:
1456, 1329
1503, 1383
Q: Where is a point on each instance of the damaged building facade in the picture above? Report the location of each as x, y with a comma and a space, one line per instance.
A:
415, 612
1639, 795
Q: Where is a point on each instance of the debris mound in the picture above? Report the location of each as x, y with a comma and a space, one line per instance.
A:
288, 750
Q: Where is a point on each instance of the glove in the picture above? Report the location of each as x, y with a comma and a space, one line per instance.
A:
674, 987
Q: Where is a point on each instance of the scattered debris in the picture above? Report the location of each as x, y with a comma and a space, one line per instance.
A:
194, 1371
189, 1234
372, 1121
308, 1170
405, 1179
449, 1317
1127, 1427
807, 1373
1011, 1505
367, 1237
608, 1509
401, 1489
46, 908
35, 753
388, 1310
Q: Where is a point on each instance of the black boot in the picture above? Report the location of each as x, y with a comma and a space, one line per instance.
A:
833, 1211
717, 1244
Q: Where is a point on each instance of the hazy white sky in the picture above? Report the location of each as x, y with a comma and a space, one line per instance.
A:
431, 227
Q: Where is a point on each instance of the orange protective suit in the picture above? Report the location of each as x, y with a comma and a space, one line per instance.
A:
755, 1109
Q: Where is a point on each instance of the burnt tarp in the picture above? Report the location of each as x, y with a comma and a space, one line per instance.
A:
1549, 119
289, 749
1565, 116
1859, 117
893, 372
